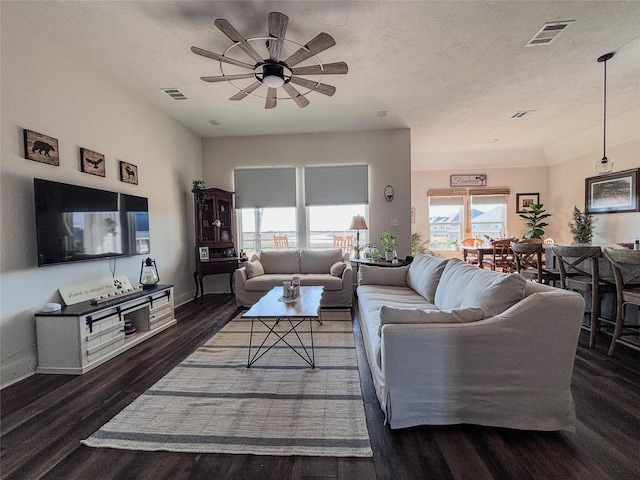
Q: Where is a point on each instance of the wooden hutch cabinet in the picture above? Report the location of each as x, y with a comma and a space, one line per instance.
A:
215, 242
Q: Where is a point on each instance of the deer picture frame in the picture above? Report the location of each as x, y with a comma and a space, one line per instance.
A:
128, 172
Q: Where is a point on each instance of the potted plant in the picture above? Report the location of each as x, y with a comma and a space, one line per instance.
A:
388, 242
420, 246
199, 190
534, 220
581, 226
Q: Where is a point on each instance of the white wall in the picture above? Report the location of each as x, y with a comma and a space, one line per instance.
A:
567, 188
388, 154
55, 90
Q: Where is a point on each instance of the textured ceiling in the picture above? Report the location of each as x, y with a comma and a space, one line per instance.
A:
454, 72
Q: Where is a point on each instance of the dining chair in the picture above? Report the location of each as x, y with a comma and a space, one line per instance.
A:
626, 271
580, 271
471, 257
344, 243
529, 262
501, 256
281, 242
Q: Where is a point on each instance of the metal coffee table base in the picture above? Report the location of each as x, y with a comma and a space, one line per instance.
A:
304, 352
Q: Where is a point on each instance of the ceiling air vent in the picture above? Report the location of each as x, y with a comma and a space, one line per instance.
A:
522, 113
174, 93
548, 33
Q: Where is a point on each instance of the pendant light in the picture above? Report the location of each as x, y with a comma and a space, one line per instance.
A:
604, 165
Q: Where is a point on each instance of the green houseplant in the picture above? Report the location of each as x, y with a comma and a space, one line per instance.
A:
199, 190
533, 220
420, 246
388, 242
581, 226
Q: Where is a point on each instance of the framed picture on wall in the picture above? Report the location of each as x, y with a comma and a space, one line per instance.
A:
128, 172
525, 200
613, 193
41, 148
92, 162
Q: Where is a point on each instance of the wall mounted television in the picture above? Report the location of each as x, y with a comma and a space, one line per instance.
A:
76, 223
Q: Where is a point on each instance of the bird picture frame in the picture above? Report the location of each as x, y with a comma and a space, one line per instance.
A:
92, 162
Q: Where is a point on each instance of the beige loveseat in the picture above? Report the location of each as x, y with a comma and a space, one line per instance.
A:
449, 343
328, 268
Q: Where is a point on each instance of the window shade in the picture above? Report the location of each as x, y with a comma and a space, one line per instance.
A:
488, 199
265, 187
343, 185
445, 201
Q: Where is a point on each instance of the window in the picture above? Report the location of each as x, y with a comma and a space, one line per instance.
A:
260, 225
329, 221
458, 214
446, 215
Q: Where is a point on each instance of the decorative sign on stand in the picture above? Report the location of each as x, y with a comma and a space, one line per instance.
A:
105, 289
477, 180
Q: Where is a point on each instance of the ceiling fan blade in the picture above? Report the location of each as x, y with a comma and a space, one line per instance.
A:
222, 78
315, 86
272, 96
300, 100
235, 36
246, 91
277, 29
326, 69
318, 44
220, 58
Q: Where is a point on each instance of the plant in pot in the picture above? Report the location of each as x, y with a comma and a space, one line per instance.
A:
388, 242
581, 226
199, 190
420, 246
533, 220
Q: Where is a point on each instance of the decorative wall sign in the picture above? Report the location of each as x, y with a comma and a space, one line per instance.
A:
524, 200
616, 192
41, 148
476, 180
128, 173
92, 162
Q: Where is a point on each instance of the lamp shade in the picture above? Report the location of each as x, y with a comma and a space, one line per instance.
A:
358, 223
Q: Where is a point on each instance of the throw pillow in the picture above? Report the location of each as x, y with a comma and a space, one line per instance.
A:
254, 268
337, 269
417, 316
392, 276
463, 285
424, 274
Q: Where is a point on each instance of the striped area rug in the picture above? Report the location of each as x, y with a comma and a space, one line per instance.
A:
213, 403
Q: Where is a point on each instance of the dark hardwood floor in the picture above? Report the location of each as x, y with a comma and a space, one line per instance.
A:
44, 417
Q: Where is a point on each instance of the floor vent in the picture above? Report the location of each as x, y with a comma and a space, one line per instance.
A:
174, 93
548, 33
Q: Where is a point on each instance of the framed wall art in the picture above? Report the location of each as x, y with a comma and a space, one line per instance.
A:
613, 193
474, 180
128, 173
41, 148
204, 253
524, 200
92, 162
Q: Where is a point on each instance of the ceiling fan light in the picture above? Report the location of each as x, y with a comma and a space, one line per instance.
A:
273, 81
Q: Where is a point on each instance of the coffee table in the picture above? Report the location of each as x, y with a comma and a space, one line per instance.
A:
269, 311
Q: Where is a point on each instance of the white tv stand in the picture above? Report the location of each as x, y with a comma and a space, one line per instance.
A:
80, 337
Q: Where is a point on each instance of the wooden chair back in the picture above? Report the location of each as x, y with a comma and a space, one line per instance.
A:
472, 242
281, 242
344, 243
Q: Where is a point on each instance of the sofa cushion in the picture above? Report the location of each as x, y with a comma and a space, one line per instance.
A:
282, 261
319, 261
337, 269
415, 315
424, 274
254, 268
463, 285
392, 276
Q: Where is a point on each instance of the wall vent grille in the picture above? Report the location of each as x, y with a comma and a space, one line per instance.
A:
174, 93
548, 33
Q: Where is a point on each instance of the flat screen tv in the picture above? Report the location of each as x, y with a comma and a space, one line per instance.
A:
76, 223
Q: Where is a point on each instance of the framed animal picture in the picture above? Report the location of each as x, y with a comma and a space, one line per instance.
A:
92, 162
41, 148
128, 172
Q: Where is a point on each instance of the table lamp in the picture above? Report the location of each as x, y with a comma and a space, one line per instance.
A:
357, 224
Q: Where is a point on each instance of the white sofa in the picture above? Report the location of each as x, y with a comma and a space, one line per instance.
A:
328, 268
450, 343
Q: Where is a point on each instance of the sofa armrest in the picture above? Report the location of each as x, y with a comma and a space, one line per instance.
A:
239, 277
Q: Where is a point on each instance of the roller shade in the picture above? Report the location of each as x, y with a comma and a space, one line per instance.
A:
343, 185
488, 199
265, 187
445, 201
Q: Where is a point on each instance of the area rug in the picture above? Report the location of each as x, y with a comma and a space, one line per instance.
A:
213, 403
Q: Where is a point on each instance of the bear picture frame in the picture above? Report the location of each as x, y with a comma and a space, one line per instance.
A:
41, 148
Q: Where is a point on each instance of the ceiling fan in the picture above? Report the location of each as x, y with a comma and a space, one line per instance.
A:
272, 72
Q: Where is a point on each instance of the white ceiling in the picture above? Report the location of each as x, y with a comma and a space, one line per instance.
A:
454, 72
